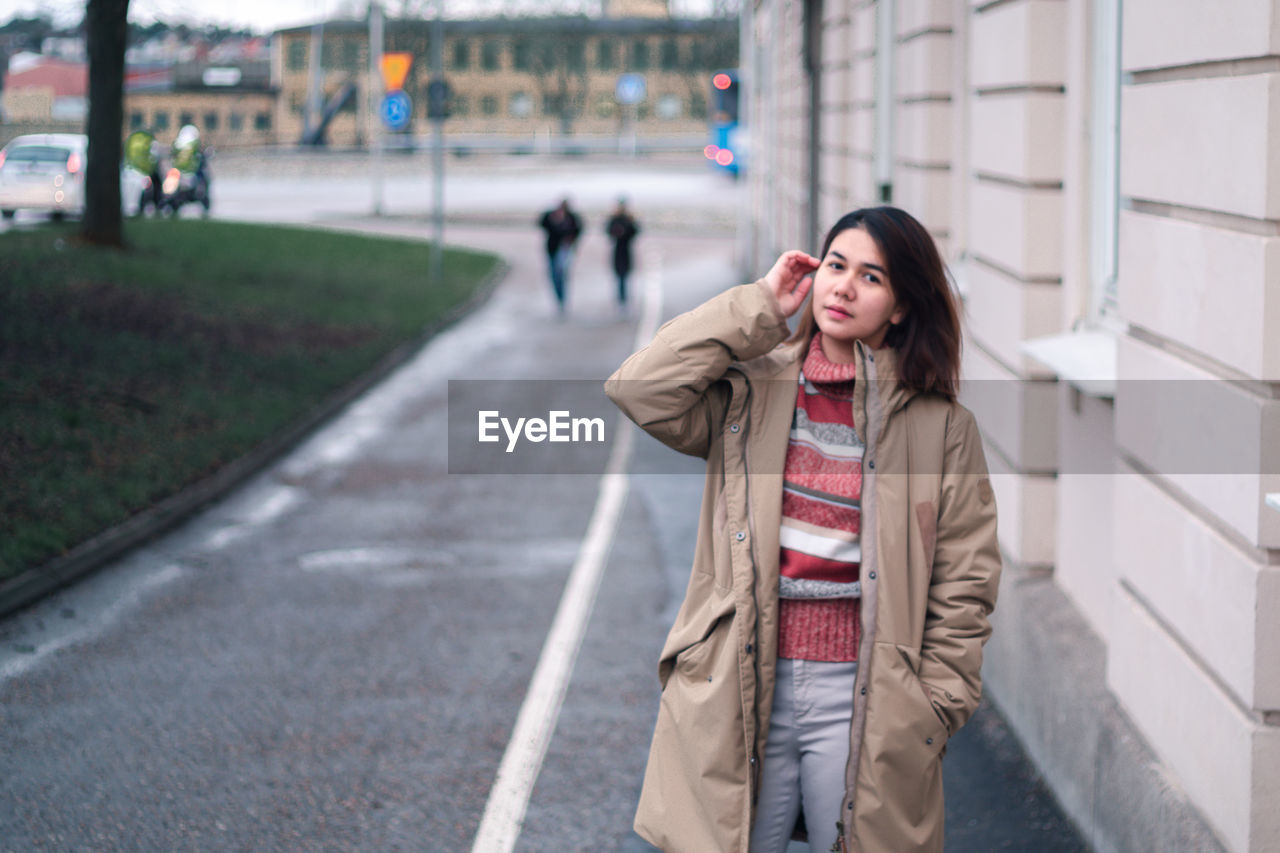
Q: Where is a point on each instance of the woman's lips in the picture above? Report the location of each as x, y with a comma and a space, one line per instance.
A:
838, 313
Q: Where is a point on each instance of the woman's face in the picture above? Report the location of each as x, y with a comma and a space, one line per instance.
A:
852, 299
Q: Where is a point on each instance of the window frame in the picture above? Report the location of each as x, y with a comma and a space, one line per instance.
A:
460, 55
491, 54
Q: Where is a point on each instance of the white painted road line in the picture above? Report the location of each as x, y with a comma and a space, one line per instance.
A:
522, 762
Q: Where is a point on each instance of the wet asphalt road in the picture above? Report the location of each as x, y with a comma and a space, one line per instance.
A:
332, 658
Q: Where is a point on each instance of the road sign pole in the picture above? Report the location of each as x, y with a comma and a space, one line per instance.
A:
375, 121
437, 149
629, 92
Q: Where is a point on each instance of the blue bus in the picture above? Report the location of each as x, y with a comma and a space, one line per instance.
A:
723, 149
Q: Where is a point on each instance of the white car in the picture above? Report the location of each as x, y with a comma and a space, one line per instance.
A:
45, 172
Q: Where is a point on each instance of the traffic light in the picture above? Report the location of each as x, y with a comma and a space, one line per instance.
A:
438, 95
724, 96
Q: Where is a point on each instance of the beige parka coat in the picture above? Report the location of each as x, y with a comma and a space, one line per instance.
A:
719, 382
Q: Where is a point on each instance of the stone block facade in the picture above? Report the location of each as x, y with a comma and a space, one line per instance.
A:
1103, 180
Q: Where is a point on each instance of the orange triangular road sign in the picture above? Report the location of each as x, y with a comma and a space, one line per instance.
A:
395, 68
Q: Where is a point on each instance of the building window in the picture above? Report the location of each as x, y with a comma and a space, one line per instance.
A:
669, 107
235, 122
604, 55
552, 104
262, 121
640, 55
351, 55
521, 105
185, 119
459, 105
522, 55
670, 55
576, 55
605, 106
491, 55
489, 105
697, 56
297, 55
210, 121
547, 56
161, 120
461, 55
135, 121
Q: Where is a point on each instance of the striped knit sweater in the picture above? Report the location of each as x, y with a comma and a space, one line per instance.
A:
822, 488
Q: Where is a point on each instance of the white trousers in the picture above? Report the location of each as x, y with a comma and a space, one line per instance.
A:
805, 754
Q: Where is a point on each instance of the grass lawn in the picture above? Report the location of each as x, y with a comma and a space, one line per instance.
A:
125, 376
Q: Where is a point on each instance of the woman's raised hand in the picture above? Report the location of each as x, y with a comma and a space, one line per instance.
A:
790, 279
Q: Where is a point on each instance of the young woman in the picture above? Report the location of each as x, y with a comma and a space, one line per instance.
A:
831, 635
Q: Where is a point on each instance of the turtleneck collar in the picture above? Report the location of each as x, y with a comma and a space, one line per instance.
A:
818, 368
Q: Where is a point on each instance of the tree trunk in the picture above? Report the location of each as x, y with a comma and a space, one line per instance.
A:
106, 29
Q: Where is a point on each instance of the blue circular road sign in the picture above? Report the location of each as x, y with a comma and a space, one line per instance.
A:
630, 89
396, 109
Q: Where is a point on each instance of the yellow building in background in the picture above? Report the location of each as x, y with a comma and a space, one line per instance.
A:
517, 80
233, 105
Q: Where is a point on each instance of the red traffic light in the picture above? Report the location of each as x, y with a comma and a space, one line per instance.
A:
722, 81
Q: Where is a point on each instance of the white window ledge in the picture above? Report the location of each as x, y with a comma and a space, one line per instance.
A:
1086, 359
1273, 501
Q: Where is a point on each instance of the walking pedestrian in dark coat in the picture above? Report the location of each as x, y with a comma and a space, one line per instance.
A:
622, 228
563, 227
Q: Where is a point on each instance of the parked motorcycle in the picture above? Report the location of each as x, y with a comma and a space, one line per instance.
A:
142, 153
188, 179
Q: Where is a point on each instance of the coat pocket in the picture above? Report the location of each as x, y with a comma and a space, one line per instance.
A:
698, 662
698, 774
904, 740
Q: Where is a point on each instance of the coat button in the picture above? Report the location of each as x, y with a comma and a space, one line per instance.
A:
871, 575
864, 691
929, 740
734, 428
748, 648
872, 464
740, 536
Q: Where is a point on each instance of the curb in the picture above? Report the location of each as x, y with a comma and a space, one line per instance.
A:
34, 584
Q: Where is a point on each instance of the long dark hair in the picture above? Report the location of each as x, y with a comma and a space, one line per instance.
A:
927, 341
